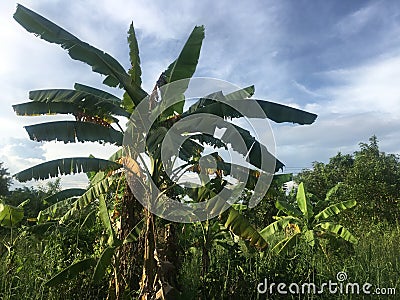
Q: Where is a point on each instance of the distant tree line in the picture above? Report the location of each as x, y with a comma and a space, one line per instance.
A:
369, 176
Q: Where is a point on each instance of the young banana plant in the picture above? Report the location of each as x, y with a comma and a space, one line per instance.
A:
302, 222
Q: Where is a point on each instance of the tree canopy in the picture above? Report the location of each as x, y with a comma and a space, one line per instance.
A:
369, 176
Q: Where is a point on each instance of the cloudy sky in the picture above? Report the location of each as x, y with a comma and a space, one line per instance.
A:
339, 59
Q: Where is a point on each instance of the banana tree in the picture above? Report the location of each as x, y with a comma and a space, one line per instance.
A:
308, 222
97, 116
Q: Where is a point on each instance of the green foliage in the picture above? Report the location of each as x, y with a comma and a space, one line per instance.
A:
100, 61
10, 216
5, 180
92, 194
368, 176
305, 223
239, 225
40, 252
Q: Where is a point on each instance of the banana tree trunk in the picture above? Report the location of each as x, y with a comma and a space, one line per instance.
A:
128, 258
148, 284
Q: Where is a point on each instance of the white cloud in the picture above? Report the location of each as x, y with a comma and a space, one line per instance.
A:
19, 154
373, 87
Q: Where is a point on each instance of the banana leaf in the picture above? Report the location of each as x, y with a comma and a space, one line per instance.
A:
258, 109
74, 131
10, 216
65, 166
239, 225
182, 68
335, 209
72, 271
100, 61
92, 194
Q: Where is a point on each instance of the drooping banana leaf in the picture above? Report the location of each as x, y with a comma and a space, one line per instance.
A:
155, 139
338, 230
65, 166
258, 153
244, 108
182, 68
239, 225
204, 101
190, 150
71, 271
67, 95
210, 140
55, 211
243, 93
41, 229
64, 194
92, 194
335, 209
100, 61
239, 172
240, 140
74, 131
286, 243
97, 92
60, 203
40, 108
89, 103
96, 176
277, 226
90, 219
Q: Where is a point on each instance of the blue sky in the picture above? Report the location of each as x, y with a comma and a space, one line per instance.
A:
339, 59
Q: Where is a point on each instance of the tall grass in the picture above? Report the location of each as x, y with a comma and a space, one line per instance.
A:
235, 275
